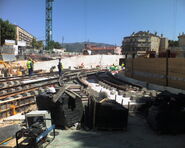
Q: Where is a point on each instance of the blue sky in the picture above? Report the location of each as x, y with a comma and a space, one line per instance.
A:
106, 21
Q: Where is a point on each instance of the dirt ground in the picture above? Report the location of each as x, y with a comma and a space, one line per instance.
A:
138, 135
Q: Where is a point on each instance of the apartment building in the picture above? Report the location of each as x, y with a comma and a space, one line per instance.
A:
23, 35
181, 40
144, 41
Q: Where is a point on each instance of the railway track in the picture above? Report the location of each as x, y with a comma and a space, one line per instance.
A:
111, 82
21, 95
130, 96
20, 78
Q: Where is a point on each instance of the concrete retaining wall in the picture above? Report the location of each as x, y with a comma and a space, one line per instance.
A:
88, 61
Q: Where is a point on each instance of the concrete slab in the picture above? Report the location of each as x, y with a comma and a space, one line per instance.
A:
17, 117
138, 135
112, 94
8, 131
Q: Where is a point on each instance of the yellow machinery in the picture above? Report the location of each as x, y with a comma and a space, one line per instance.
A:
7, 69
6, 65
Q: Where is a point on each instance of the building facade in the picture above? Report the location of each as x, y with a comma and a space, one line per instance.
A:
99, 50
143, 41
181, 38
163, 44
23, 35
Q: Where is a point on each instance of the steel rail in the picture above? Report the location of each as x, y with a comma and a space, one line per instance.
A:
29, 90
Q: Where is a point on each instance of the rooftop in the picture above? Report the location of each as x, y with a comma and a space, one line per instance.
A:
92, 47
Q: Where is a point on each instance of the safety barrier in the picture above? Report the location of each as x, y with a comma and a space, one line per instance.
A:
162, 71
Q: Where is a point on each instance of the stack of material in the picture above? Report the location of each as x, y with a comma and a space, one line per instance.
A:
7, 53
167, 114
65, 112
106, 114
7, 57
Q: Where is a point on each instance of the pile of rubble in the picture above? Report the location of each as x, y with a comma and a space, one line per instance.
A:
167, 113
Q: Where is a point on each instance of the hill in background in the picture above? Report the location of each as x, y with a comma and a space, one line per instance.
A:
79, 46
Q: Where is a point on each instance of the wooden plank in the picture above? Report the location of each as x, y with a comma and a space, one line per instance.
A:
176, 84
150, 65
9, 144
177, 75
177, 65
150, 80
177, 69
59, 93
32, 89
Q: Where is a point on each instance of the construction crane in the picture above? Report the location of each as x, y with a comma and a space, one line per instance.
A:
48, 32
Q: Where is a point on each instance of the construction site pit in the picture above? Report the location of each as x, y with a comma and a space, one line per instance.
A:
102, 86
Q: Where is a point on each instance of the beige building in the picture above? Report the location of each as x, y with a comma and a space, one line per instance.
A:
163, 44
23, 35
180, 50
117, 50
144, 41
181, 38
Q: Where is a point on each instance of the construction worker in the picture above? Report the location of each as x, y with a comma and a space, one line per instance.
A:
60, 67
112, 68
123, 66
52, 69
30, 66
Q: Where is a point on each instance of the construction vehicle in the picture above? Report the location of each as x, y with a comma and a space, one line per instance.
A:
36, 133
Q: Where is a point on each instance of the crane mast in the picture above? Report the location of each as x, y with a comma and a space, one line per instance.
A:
48, 31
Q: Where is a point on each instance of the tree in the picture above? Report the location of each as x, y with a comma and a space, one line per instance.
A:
53, 44
37, 44
173, 43
34, 42
7, 31
57, 45
50, 45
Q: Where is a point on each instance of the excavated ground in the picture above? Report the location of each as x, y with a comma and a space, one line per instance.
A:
138, 135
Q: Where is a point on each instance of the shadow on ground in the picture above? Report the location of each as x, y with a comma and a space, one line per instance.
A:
138, 135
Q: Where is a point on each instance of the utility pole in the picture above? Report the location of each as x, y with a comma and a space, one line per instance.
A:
62, 41
48, 32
